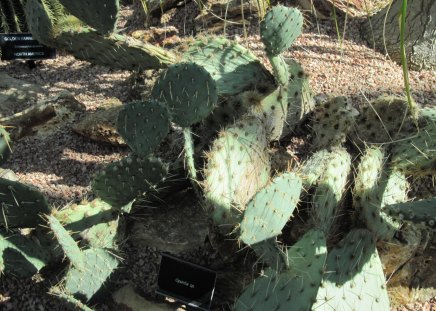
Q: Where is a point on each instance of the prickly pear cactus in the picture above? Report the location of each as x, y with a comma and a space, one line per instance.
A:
293, 289
355, 279
330, 189
21, 256
270, 209
189, 92
313, 167
234, 68
5, 145
121, 182
237, 167
101, 15
143, 125
383, 120
421, 212
21, 205
416, 155
332, 121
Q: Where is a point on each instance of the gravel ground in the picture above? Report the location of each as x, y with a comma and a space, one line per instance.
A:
63, 170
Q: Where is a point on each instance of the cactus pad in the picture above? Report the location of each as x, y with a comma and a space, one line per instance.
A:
270, 209
280, 27
143, 125
332, 121
354, 278
422, 212
293, 289
238, 166
331, 188
189, 92
21, 205
21, 256
101, 15
233, 67
122, 181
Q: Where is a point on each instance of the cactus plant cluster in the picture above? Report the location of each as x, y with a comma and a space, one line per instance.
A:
217, 81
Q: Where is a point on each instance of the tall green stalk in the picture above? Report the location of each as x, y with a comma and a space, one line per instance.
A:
411, 103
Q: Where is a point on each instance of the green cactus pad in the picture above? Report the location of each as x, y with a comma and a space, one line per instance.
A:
143, 125
313, 167
270, 252
293, 289
376, 187
270, 209
42, 17
5, 145
101, 15
122, 181
238, 166
234, 68
422, 212
300, 96
384, 120
417, 154
20, 256
279, 29
115, 51
189, 92
21, 205
67, 243
104, 235
86, 282
354, 279
331, 188
332, 121
79, 217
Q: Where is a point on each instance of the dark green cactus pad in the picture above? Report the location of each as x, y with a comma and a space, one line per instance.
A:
86, 282
384, 120
270, 209
99, 14
416, 155
293, 289
42, 17
21, 205
332, 121
234, 68
123, 181
143, 125
422, 212
20, 256
374, 188
280, 27
115, 51
238, 166
300, 96
312, 168
354, 279
5, 145
189, 92
67, 243
331, 188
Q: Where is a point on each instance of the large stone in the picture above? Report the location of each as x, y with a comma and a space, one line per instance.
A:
180, 227
101, 124
15, 93
45, 117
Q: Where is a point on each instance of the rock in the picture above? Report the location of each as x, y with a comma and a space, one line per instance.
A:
14, 93
45, 117
101, 124
173, 229
131, 301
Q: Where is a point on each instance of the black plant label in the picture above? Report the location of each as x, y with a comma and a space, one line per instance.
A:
187, 282
23, 46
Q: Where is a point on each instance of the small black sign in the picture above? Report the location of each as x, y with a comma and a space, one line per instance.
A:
186, 282
23, 46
